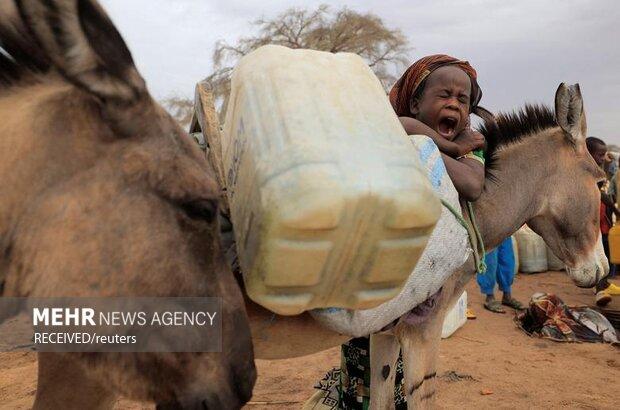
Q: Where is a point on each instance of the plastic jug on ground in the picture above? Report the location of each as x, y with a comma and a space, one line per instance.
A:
553, 262
515, 252
532, 251
456, 317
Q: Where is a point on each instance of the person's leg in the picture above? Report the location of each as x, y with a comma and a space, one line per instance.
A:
355, 373
612, 289
487, 281
602, 295
506, 273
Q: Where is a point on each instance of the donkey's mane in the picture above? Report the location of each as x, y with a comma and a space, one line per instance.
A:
21, 57
512, 127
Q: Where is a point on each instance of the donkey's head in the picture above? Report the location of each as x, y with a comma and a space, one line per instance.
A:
104, 195
568, 219
540, 173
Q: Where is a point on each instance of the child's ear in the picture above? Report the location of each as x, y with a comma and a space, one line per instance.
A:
414, 106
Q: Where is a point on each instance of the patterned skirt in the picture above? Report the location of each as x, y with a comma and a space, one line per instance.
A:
349, 386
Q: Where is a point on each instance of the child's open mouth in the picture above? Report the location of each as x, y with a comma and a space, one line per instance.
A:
447, 126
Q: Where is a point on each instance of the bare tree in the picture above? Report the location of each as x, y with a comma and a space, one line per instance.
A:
180, 108
384, 49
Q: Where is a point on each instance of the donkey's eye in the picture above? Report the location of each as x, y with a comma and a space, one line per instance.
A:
201, 209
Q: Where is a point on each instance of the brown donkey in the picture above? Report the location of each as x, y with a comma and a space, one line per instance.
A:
104, 195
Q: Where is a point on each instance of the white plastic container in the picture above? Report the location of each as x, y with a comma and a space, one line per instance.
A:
456, 317
532, 251
515, 252
330, 204
553, 262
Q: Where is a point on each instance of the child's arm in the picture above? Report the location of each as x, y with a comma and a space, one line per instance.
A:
467, 175
416, 127
464, 143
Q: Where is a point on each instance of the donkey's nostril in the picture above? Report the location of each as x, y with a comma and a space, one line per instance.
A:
243, 383
197, 404
600, 273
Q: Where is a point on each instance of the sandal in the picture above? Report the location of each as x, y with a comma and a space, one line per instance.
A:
513, 303
494, 306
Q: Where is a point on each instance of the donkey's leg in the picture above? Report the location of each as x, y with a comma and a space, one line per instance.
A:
384, 348
64, 384
420, 346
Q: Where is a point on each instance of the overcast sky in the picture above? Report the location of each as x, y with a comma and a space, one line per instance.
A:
521, 49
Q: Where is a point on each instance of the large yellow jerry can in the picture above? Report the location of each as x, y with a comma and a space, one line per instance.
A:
614, 244
328, 197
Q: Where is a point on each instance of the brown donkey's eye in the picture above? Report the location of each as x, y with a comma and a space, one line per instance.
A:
202, 209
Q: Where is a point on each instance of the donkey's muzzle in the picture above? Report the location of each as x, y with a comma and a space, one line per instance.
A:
213, 401
230, 391
586, 277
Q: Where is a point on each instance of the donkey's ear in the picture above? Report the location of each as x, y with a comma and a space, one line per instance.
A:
569, 113
84, 46
485, 114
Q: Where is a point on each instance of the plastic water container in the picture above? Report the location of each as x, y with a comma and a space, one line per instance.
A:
515, 252
614, 244
456, 317
553, 262
532, 251
329, 201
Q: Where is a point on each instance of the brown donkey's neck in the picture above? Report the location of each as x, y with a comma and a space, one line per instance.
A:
513, 196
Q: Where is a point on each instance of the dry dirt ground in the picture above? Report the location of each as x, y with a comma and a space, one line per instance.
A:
519, 371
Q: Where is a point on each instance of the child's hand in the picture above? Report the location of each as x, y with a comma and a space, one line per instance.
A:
469, 140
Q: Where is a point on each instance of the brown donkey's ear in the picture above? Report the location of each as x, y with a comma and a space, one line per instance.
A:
569, 112
85, 47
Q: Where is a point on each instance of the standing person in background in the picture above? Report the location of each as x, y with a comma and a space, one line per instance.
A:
611, 166
613, 193
604, 289
613, 180
501, 271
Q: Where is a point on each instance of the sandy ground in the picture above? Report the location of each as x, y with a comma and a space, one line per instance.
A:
519, 371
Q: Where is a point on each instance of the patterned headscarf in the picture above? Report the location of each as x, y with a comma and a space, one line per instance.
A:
407, 86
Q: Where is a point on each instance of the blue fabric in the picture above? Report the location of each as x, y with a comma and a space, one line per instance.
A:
427, 150
500, 269
437, 173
